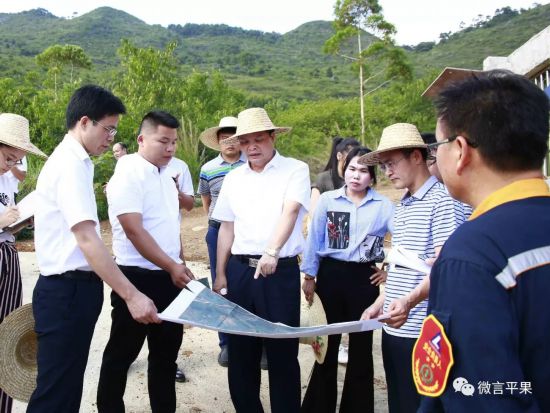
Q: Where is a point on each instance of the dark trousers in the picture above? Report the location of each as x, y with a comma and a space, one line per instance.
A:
345, 291
65, 313
212, 245
125, 342
397, 356
275, 298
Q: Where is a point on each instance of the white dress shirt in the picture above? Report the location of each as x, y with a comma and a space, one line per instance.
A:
138, 186
65, 197
254, 202
179, 168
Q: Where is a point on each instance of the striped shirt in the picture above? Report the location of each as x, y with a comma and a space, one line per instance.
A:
212, 175
421, 223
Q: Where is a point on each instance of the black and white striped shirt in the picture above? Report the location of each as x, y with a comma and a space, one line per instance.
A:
421, 223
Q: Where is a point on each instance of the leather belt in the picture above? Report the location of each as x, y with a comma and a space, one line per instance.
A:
252, 260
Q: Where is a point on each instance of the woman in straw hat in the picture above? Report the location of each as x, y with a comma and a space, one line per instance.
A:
15, 143
344, 242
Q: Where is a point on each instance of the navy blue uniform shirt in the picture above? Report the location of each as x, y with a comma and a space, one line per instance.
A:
490, 289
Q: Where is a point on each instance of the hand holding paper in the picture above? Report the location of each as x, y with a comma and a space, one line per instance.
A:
25, 209
408, 259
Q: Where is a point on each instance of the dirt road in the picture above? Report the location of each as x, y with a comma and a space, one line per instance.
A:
207, 389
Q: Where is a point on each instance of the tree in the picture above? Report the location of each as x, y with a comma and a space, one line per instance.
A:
353, 18
56, 57
150, 79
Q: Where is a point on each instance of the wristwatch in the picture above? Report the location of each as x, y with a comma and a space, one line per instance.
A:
272, 252
308, 277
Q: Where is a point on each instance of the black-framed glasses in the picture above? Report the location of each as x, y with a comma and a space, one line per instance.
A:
432, 147
111, 131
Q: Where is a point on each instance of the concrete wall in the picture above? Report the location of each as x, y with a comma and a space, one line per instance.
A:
529, 59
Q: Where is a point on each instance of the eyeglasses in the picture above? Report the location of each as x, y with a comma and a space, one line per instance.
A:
432, 147
386, 166
12, 162
111, 131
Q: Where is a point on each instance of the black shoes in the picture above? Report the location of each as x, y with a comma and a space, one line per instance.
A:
180, 376
223, 357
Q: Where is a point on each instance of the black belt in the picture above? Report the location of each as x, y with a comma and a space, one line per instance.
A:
213, 223
350, 263
252, 260
78, 275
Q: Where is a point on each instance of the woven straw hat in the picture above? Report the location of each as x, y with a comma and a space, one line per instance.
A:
14, 131
310, 316
18, 346
396, 136
210, 136
256, 120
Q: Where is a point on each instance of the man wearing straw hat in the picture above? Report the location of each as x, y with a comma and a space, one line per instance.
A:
261, 208
71, 257
422, 222
211, 179
15, 142
489, 286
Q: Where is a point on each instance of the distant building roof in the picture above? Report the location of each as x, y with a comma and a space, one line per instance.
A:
448, 75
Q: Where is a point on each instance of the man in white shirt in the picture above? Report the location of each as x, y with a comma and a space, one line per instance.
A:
144, 215
261, 207
71, 257
120, 149
182, 177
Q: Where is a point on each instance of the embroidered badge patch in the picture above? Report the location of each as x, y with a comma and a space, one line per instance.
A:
432, 358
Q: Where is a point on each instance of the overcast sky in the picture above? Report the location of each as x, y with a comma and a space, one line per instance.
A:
416, 21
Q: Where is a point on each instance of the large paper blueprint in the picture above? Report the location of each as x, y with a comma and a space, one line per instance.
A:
199, 306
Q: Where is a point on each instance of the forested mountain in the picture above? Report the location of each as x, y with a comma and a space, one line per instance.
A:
288, 66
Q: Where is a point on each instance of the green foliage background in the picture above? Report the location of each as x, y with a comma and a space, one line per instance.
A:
201, 73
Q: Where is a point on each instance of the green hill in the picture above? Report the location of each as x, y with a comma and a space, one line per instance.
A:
499, 36
264, 65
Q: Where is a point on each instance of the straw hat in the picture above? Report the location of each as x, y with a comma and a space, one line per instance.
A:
396, 136
310, 316
448, 75
256, 120
14, 131
210, 136
18, 346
